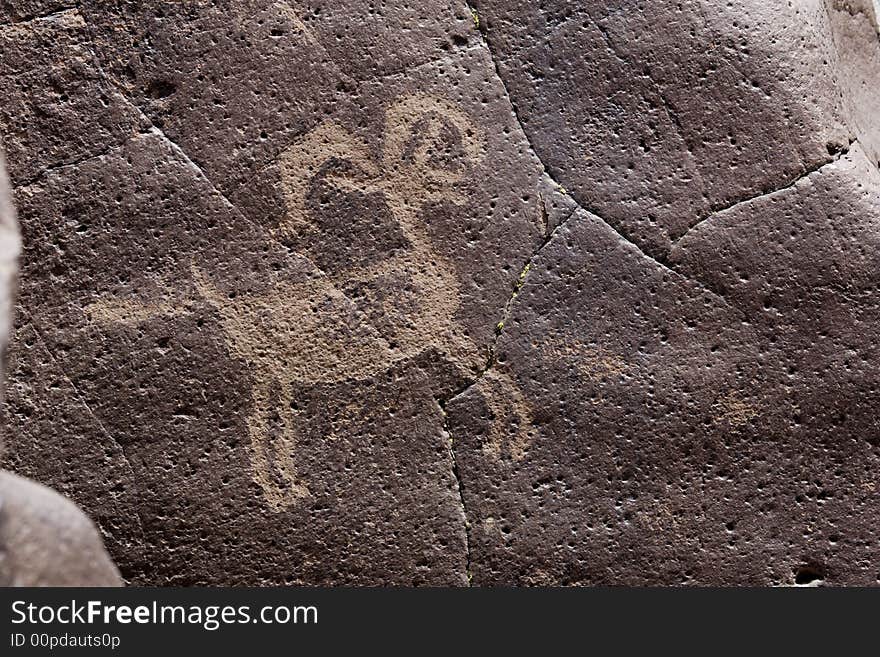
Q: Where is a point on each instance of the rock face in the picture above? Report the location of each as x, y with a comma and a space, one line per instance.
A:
346, 293
45, 540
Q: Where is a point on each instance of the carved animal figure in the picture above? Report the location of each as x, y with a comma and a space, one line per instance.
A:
314, 331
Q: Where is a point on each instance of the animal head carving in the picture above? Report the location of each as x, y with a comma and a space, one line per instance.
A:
428, 147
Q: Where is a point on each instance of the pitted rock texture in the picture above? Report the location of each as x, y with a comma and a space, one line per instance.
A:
45, 540
499, 293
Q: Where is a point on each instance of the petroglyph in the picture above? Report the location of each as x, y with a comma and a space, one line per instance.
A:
510, 428
593, 362
357, 320
734, 409
131, 312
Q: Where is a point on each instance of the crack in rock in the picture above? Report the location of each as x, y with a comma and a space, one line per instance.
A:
786, 186
33, 180
91, 414
30, 18
490, 363
621, 235
459, 485
153, 129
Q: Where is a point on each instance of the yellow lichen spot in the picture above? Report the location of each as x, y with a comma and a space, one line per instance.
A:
499, 326
476, 18
522, 277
